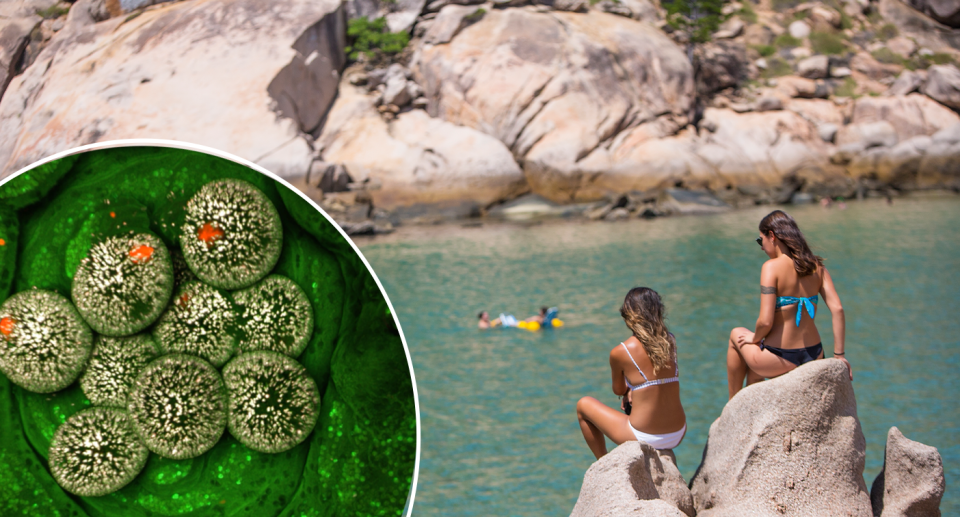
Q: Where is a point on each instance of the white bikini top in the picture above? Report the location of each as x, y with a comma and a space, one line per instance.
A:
648, 383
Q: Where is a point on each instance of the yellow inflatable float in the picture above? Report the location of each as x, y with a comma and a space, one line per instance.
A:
533, 326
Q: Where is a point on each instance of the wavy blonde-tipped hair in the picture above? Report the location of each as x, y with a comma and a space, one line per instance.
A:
643, 312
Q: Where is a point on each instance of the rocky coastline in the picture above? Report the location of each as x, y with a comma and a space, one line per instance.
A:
497, 108
787, 446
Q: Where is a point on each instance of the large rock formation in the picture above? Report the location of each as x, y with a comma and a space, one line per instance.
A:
791, 445
416, 159
943, 85
910, 115
18, 20
946, 12
634, 479
571, 100
731, 149
196, 71
555, 86
911, 482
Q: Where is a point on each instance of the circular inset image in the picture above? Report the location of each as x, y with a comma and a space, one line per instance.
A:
193, 267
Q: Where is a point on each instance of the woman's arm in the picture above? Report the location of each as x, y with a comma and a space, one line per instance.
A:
768, 304
830, 297
619, 384
616, 374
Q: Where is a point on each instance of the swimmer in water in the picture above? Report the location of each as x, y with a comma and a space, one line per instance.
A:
539, 318
485, 322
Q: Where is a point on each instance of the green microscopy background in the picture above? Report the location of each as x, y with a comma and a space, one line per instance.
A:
359, 460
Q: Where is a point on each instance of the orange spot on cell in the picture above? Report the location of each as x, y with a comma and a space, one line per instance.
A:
141, 254
223, 501
183, 300
3, 242
209, 234
113, 214
6, 325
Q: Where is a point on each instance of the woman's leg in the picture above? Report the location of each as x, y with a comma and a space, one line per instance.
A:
596, 420
736, 366
751, 362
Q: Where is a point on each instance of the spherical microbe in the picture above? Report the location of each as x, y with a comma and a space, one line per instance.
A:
273, 401
179, 406
231, 234
96, 452
44, 343
274, 314
114, 365
123, 284
201, 321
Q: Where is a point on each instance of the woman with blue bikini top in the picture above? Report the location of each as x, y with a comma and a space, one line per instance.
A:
791, 285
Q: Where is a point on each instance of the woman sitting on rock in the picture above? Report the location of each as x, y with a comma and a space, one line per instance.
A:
786, 336
645, 372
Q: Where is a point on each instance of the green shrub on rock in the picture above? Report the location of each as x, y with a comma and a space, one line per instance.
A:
373, 37
827, 43
764, 50
785, 40
887, 56
777, 67
887, 32
846, 89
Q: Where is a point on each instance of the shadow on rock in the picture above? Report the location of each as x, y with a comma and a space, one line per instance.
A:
634, 479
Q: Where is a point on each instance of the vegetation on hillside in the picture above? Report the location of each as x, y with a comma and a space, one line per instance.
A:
374, 39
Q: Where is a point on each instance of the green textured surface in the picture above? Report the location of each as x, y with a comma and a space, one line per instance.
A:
32, 185
361, 467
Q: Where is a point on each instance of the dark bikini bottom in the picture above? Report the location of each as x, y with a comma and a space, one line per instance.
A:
796, 356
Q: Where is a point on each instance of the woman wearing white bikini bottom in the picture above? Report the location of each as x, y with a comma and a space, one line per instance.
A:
645, 376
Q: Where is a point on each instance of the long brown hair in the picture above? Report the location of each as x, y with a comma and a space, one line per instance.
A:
785, 228
643, 311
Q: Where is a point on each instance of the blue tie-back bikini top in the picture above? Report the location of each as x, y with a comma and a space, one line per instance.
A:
803, 302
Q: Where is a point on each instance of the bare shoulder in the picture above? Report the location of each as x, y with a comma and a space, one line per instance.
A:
620, 352
616, 353
769, 266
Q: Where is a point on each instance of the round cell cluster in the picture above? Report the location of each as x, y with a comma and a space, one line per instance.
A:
96, 451
148, 329
179, 406
274, 314
273, 401
114, 365
44, 343
123, 284
231, 234
201, 321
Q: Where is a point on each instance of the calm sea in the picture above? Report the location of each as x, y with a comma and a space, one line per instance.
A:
500, 435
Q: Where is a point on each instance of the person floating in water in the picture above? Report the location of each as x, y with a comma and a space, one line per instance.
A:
785, 336
646, 377
546, 318
539, 317
485, 322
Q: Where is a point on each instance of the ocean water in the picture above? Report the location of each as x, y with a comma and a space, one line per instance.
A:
499, 428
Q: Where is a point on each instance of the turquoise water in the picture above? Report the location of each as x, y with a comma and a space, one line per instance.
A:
499, 429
